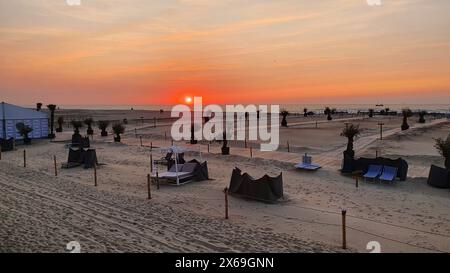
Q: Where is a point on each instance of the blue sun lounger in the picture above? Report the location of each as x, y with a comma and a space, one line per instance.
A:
389, 174
307, 164
373, 172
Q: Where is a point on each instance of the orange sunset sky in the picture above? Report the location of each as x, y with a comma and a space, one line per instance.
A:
248, 51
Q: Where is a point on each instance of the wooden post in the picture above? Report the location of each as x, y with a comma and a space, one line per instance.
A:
24, 158
225, 191
151, 163
208, 148
245, 143
356, 181
344, 237
56, 169
316, 124
149, 192
251, 152
288, 148
140, 137
381, 130
172, 141
157, 180
95, 174
0, 152
135, 132
151, 146
376, 153
154, 122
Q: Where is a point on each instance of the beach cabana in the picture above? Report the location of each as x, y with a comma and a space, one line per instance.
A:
266, 188
181, 172
439, 177
10, 115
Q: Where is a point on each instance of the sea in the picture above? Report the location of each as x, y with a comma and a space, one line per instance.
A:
292, 108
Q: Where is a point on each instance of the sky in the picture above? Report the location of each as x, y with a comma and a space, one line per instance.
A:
137, 52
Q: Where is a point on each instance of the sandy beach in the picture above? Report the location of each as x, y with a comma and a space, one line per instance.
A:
42, 213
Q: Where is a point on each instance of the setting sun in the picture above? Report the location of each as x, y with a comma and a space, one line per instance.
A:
188, 100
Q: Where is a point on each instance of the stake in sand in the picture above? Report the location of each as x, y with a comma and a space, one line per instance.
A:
225, 191
54, 162
149, 193
344, 235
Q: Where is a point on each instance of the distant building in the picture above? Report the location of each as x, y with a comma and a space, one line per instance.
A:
10, 115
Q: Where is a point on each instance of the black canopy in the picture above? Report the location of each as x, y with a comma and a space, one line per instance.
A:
88, 157
267, 188
7, 144
439, 177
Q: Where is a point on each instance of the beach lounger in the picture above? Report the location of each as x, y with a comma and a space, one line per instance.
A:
373, 172
164, 160
307, 164
186, 172
389, 174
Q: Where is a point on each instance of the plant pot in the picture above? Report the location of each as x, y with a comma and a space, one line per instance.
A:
59, 130
405, 127
193, 141
104, 133
27, 141
117, 139
349, 154
90, 131
52, 135
225, 150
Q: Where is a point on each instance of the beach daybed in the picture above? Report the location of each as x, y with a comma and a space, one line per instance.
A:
362, 165
180, 174
307, 164
266, 188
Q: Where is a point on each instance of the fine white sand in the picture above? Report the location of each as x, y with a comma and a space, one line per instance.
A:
42, 213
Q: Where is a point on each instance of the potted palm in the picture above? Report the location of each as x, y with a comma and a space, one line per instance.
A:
89, 130
24, 130
60, 121
422, 115
52, 109
406, 113
76, 124
327, 112
443, 146
350, 132
225, 148
284, 114
102, 125
305, 112
118, 129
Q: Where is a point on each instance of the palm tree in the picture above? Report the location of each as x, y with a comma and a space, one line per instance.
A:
443, 146
406, 114
38, 106
350, 132
60, 121
225, 148
284, 114
24, 130
305, 112
422, 115
370, 113
327, 112
89, 122
52, 109
118, 129
102, 125
76, 124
